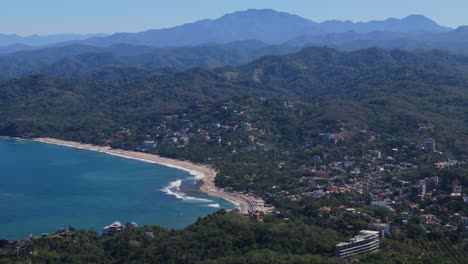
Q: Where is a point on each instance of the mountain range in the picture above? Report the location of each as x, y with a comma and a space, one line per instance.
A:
266, 25
230, 40
257, 95
36, 40
82, 60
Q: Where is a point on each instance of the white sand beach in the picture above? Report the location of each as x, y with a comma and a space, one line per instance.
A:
205, 173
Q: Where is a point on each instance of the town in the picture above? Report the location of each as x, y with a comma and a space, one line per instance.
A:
410, 178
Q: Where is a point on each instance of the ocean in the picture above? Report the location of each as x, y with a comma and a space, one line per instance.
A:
45, 187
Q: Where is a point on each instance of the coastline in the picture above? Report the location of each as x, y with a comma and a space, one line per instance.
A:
201, 172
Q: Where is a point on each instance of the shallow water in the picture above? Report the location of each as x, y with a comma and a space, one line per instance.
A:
46, 187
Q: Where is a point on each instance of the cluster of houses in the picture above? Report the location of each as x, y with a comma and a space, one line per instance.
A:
24, 247
374, 175
331, 168
117, 227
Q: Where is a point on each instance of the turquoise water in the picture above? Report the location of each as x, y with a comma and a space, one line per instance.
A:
46, 187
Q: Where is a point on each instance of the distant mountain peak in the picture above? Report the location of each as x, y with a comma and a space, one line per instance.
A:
419, 19
259, 10
255, 11
459, 34
462, 29
262, 14
266, 25
409, 24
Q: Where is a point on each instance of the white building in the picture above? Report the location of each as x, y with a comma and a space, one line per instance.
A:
379, 203
111, 229
366, 241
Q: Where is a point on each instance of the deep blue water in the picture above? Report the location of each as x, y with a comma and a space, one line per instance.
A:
46, 187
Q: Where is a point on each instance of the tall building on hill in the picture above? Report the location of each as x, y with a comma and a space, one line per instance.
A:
422, 188
366, 241
429, 145
431, 183
418, 191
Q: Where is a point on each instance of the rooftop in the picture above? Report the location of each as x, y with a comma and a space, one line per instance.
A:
363, 235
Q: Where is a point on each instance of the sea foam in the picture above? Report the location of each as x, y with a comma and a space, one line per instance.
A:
174, 189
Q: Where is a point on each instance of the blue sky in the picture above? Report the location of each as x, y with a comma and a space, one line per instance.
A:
26, 17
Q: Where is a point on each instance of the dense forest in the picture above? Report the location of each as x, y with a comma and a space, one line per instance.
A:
382, 91
80, 61
281, 127
227, 238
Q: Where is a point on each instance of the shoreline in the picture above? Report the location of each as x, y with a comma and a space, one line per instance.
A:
200, 172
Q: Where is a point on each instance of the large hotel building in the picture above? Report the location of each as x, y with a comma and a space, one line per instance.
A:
366, 241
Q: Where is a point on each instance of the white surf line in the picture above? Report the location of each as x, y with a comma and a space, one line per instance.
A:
197, 174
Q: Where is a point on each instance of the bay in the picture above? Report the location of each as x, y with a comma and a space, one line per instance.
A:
46, 187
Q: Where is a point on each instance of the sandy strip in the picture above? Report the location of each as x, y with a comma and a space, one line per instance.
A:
206, 173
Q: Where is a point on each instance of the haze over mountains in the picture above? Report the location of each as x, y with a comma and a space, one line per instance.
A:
266, 25
12, 40
81, 60
230, 40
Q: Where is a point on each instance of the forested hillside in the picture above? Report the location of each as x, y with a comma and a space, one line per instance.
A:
80, 61
318, 128
382, 91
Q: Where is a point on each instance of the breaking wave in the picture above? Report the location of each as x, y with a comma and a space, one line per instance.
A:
174, 189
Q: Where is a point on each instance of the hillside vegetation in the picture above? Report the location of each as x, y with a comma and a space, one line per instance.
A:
303, 131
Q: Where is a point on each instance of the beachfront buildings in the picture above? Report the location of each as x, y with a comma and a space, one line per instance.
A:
366, 241
255, 204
